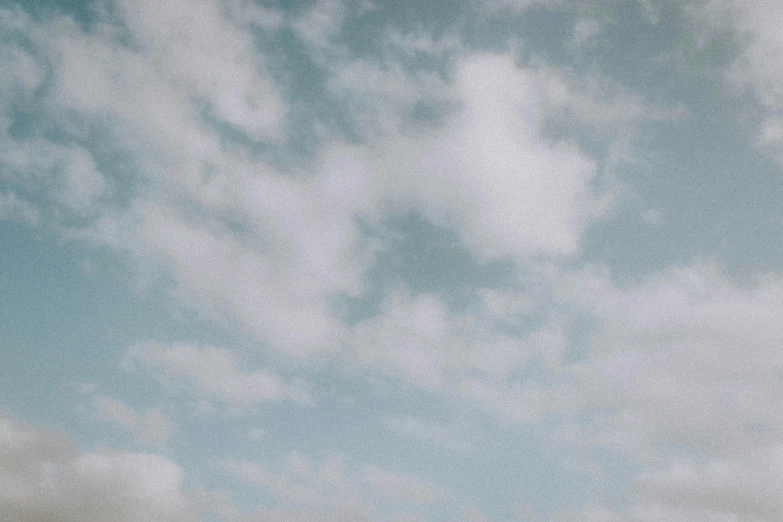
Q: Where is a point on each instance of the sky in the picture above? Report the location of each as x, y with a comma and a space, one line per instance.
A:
365, 260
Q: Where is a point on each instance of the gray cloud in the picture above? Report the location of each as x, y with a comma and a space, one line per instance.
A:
44, 479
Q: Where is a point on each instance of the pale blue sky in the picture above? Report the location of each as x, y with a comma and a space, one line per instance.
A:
351, 260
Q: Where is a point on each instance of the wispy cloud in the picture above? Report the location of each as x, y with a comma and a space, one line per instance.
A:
212, 373
149, 427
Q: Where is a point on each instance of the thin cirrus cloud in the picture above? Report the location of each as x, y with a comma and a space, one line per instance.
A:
404, 263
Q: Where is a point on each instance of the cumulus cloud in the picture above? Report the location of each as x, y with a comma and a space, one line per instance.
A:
200, 190
417, 339
247, 241
43, 478
687, 356
210, 57
685, 362
280, 293
490, 174
187, 188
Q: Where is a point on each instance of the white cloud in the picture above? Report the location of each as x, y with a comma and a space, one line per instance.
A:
419, 42
380, 98
243, 13
149, 427
403, 487
452, 437
84, 184
746, 488
42, 478
96, 82
586, 30
324, 489
687, 356
247, 244
210, 57
319, 28
13, 208
329, 488
684, 363
757, 66
20, 73
718, 489
417, 339
66, 175
277, 285
465, 356
489, 173
300, 247
600, 104
213, 373
380, 95
255, 434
